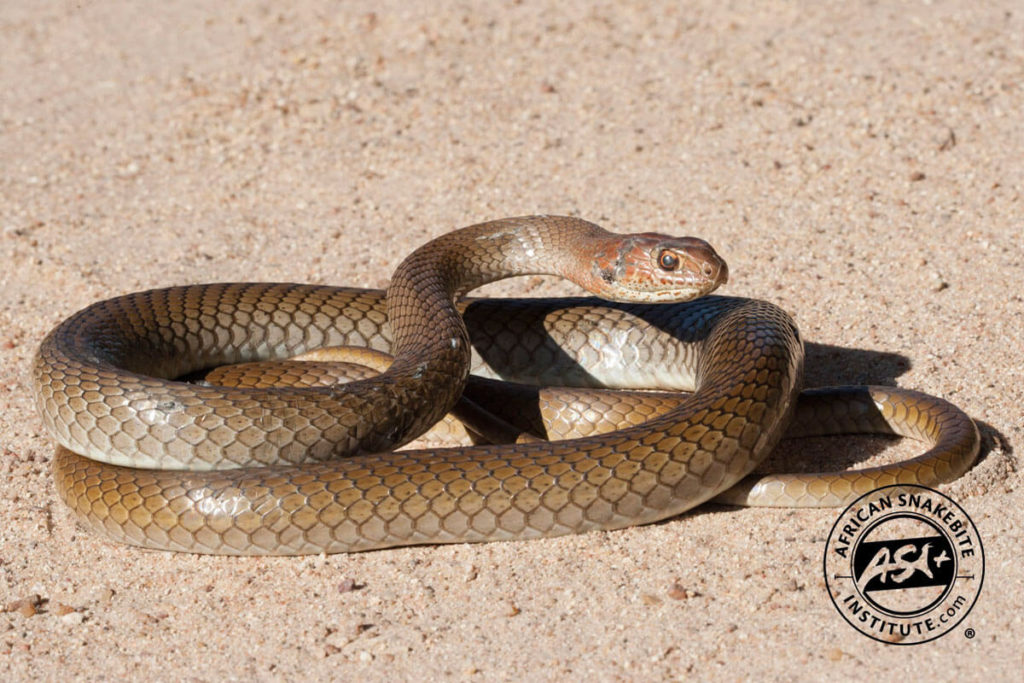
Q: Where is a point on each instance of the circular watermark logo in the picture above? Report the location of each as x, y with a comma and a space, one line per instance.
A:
904, 564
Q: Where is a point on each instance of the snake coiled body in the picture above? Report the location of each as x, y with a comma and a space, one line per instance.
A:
325, 480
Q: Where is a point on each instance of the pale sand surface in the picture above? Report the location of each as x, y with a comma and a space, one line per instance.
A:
860, 165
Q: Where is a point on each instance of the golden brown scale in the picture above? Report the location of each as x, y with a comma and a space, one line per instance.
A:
99, 392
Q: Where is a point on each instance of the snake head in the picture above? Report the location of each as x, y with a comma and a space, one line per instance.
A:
653, 268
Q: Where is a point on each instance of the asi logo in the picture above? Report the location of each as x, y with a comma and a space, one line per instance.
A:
904, 564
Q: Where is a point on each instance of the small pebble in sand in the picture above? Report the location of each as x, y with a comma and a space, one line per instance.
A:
73, 618
103, 595
26, 607
679, 592
60, 609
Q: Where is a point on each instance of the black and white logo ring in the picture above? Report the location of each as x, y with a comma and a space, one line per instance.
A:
904, 564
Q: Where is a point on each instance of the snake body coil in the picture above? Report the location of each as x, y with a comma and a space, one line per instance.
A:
324, 481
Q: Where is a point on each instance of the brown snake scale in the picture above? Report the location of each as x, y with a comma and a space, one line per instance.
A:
310, 469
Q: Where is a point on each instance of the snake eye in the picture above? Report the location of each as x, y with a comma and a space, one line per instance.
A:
667, 260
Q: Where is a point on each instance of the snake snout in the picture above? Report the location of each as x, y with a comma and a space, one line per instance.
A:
705, 261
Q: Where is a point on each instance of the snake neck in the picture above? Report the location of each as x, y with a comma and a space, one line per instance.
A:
427, 283
430, 341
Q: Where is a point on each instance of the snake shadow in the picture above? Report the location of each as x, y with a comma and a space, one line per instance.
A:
828, 365
824, 365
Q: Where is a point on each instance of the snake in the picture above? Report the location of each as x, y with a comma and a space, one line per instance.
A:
150, 458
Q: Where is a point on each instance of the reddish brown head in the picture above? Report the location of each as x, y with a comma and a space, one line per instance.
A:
648, 267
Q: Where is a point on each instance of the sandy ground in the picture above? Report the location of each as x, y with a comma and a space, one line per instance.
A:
861, 165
